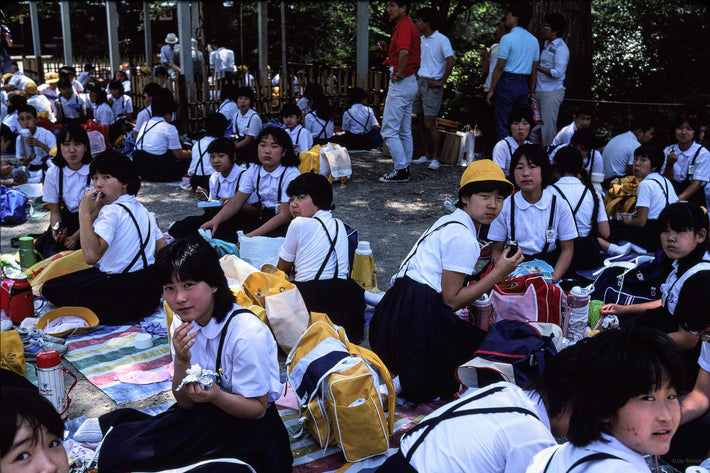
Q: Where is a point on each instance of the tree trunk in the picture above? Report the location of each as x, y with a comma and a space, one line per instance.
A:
578, 37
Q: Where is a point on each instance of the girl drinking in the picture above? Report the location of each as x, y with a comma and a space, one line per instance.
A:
120, 237
233, 417
414, 329
278, 166
534, 217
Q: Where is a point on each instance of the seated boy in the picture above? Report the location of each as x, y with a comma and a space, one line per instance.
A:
33, 151
580, 120
358, 122
301, 138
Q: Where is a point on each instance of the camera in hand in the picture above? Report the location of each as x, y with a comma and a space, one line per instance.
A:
512, 249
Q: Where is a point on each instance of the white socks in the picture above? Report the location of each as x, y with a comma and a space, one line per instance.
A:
624, 249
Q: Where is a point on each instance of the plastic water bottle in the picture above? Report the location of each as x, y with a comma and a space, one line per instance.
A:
578, 305
449, 205
482, 312
535, 111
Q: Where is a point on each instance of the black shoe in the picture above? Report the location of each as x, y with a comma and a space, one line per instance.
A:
396, 176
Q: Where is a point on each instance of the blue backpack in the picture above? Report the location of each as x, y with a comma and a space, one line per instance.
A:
12, 206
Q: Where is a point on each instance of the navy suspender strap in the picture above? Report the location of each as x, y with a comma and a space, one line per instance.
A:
692, 163
322, 130
223, 335
297, 144
145, 132
451, 413
419, 242
332, 241
678, 278
579, 204
61, 187
510, 149
364, 127
586, 459
199, 161
143, 244
278, 192
512, 217
663, 188
549, 223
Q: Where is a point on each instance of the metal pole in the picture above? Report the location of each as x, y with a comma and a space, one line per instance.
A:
34, 20
263, 43
363, 18
148, 43
184, 18
66, 33
112, 26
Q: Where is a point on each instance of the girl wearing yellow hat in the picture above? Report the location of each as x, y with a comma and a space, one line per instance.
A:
414, 329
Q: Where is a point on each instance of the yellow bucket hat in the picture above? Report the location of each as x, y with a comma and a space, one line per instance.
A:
484, 170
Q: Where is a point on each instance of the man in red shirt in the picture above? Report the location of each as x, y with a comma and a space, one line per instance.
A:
403, 61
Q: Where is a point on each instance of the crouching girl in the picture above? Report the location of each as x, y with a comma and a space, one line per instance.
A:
414, 329
232, 418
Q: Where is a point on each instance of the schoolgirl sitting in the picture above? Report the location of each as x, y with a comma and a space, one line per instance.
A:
159, 155
64, 186
234, 417
103, 113
68, 107
687, 161
535, 218
228, 107
625, 405
200, 168
120, 237
247, 124
583, 140
278, 166
655, 192
224, 182
358, 122
319, 121
520, 122
414, 329
316, 252
149, 90
300, 137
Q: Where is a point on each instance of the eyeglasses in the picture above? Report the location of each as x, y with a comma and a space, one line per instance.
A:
705, 337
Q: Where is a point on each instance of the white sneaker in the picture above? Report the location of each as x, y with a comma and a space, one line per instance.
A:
434, 164
421, 160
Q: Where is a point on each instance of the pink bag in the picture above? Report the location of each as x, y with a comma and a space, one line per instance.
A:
529, 298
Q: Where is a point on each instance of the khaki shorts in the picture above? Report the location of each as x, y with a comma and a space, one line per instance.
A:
428, 98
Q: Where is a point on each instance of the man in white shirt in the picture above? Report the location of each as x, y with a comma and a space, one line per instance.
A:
221, 60
619, 151
437, 62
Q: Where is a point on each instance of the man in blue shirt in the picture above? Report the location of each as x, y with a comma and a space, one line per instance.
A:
515, 74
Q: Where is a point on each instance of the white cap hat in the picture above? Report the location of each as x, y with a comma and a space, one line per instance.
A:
171, 38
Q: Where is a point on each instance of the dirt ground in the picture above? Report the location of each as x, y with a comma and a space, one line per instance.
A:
390, 216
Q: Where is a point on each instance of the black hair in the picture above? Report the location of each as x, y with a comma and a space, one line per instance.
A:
312, 90
21, 404
356, 95
15, 102
583, 109
615, 367
90, 86
228, 91
518, 114
100, 95
151, 88
643, 123
653, 153
693, 300
216, 124
125, 78
322, 108
223, 145
522, 10
118, 165
7, 133
427, 15
691, 119
568, 161
401, 3
282, 138
584, 137
682, 216
64, 83
194, 259
160, 71
482, 187
290, 109
557, 23
72, 132
315, 185
246, 92
556, 384
116, 85
163, 103
535, 154
88, 67
27, 109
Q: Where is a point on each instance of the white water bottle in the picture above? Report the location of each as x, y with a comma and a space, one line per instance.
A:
578, 305
50, 379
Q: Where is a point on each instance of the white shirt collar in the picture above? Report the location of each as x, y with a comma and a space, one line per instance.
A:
275, 173
542, 204
82, 171
232, 176
213, 328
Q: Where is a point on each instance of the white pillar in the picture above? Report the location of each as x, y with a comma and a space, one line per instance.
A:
363, 18
34, 20
184, 19
66, 33
263, 43
148, 41
112, 26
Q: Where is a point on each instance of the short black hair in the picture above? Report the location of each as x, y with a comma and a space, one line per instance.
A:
584, 137
693, 301
682, 216
690, 118
653, 153
223, 145
119, 166
7, 133
151, 88
64, 83
27, 109
322, 108
356, 95
401, 3
614, 367
427, 15
100, 95
518, 114
216, 124
15, 102
557, 23
290, 109
535, 154
312, 90
24, 404
195, 260
228, 91
643, 122
522, 10
568, 160
72, 132
163, 103
116, 85
246, 92
482, 187
315, 185
282, 138
88, 67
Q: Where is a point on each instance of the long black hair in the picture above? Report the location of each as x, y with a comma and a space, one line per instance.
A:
72, 132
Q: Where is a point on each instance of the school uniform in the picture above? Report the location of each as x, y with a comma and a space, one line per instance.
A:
70, 108
618, 458
536, 227
245, 125
693, 165
142, 118
318, 249
564, 136
359, 121
153, 156
580, 200
249, 367
413, 331
11, 122
478, 442
320, 129
104, 115
66, 187
228, 108
301, 138
200, 168
38, 166
47, 91
122, 106
503, 153
43, 107
122, 287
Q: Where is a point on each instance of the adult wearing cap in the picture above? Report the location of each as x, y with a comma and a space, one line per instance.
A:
49, 89
166, 53
40, 102
414, 329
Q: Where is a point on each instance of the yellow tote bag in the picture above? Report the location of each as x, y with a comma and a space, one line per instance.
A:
60, 264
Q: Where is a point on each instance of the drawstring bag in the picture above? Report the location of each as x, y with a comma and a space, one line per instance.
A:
13, 203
